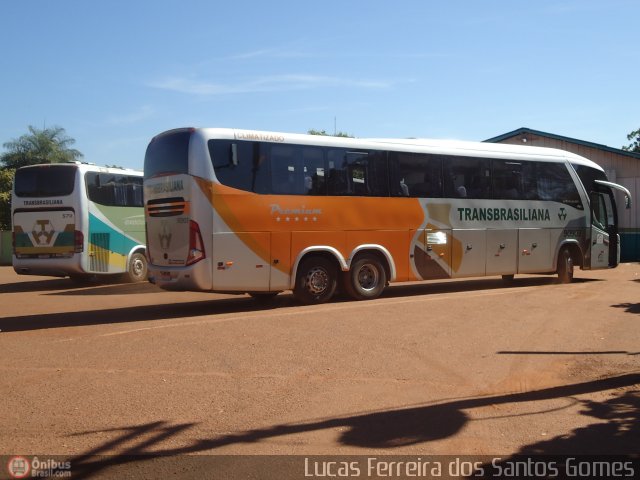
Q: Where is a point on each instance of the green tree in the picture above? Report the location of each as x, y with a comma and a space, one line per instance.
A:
634, 146
49, 145
6, 182
313, 131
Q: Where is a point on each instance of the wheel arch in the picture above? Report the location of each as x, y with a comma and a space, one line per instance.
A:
330, 253
381, 252
574, 250
137, 249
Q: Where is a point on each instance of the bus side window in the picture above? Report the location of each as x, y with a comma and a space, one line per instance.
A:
467, 177
415, 175
248, 170
314, 171
286, 170
555, 183
507, 179
337, 172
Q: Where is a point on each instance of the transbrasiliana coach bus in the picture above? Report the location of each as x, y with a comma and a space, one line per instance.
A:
78, 220
262, 212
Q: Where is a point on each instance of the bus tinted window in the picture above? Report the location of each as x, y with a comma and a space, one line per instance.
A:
241, 165
360, 173
555, 183
467, 177
114, 190
415, 175
589, 175
45, 181
168, 154
297, 170
513, 180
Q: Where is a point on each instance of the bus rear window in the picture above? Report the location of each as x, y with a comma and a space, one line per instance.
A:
45, 181
167, 154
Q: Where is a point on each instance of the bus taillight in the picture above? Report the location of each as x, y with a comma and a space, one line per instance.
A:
196, 245
78, 241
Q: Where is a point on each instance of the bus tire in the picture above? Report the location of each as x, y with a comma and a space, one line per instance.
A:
316, 280
138, 269
565, 266
366, 279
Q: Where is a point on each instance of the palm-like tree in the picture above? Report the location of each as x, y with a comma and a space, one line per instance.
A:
49, 145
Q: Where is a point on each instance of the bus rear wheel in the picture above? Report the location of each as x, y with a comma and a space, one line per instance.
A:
565, 266
137, 271
366, 279
316, 280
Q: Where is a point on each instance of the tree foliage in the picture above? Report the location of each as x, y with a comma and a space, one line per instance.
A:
634, 146
6, 182
49, 145
313, 131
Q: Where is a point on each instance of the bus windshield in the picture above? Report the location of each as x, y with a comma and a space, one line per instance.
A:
168, 154
45, 181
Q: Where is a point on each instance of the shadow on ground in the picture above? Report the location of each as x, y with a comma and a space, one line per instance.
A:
239, 304
614, 429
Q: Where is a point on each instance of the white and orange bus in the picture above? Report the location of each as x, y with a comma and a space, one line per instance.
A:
263, 212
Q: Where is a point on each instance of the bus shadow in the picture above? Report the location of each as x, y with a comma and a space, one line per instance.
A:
111, 289
453, 286
37, 285
615, 429
132, 314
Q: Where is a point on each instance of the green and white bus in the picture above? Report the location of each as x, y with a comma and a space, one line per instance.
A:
78, 220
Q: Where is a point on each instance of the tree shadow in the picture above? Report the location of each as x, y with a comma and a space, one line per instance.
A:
614, 432
629, 307
620, 433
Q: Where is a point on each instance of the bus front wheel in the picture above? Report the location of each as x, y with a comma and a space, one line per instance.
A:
137, 271
366, 279
316, 280
565, 266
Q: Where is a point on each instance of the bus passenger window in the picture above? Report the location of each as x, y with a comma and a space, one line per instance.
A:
555, 184
507, 179
287, 171
314, 171
467, 177
248, 171
415, 175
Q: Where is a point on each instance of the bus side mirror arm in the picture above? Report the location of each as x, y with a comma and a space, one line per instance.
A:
627, 193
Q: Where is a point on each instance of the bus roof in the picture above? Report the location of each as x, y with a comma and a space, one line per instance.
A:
444, 147
87, 167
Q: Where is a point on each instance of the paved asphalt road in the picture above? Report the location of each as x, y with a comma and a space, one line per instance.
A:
457, 367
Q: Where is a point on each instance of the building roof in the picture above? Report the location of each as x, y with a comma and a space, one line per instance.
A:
524, 130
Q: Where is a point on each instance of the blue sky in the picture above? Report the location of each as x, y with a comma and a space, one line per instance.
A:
116, 73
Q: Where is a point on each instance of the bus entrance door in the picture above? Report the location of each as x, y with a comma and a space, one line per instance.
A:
602, 217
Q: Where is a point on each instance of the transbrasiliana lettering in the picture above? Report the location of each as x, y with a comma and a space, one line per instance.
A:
504, 214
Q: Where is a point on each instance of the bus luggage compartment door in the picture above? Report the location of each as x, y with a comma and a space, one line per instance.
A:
469, 253
502, 252
534, 251
241, 261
